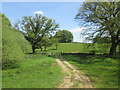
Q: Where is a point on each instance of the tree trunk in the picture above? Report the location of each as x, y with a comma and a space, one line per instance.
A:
113, 49
33, 49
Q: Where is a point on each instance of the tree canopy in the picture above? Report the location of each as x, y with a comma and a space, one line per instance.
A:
102, 20
36, 28
64, 36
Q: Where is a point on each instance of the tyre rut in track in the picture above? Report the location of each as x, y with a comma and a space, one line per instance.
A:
74, 77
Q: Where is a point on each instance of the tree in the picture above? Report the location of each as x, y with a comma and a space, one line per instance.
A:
55, 42
64, 36
102, 20
35, 28
46, 42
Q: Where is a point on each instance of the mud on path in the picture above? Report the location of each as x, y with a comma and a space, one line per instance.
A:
73, 78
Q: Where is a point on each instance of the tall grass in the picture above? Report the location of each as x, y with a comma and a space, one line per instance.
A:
38, 71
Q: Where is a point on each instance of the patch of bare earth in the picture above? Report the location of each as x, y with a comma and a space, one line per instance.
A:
74, 78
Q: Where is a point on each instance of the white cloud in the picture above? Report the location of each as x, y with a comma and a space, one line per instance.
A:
78, 29
38, 12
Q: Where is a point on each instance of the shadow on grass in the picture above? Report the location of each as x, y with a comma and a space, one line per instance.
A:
100, 68
52, 49
87, 58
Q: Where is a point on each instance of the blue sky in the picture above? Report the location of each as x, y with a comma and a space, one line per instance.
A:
63, 12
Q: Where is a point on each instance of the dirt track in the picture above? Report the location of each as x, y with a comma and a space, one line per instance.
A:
74, 78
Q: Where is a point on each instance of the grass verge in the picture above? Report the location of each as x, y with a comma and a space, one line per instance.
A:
102, 70
37, 71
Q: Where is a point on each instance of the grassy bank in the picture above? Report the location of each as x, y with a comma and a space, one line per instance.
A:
14, 45
103, 71
37, 71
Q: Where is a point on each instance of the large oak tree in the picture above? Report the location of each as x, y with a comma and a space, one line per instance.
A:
35, 28
102, 20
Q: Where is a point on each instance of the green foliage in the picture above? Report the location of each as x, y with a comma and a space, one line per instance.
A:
102, 40
102, 70
45, 42
64, 36
102, 20
35, 28
37, 71
13, 43
55, 42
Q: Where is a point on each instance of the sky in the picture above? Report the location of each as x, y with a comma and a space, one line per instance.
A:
62, 12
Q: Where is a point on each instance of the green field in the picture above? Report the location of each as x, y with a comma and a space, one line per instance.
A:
79, 48
102, 70
37, 71
41, 71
